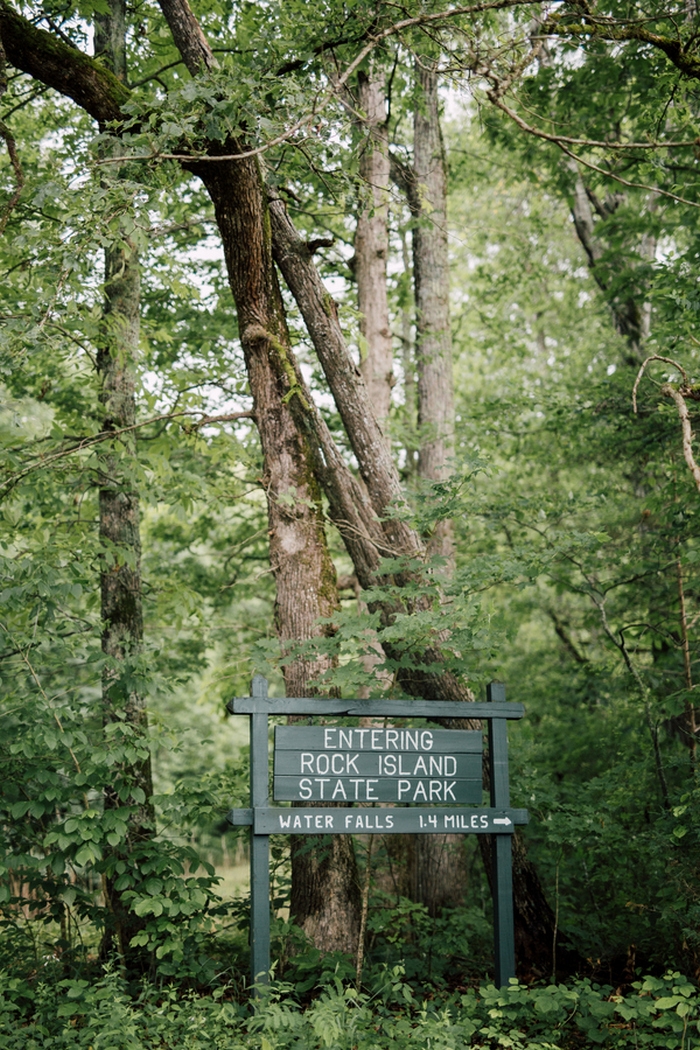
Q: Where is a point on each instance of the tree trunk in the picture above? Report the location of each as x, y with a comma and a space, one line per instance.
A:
431, 276
325, 896
437, 866
120, 578
372, 245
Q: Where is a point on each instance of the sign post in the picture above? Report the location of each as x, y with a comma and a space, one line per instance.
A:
433, 777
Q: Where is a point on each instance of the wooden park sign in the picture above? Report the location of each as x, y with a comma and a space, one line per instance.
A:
428, 781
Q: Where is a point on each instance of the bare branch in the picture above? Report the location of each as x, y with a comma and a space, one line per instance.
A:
562, 141
640, 373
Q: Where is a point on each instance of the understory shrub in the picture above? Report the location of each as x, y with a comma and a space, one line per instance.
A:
661, 1013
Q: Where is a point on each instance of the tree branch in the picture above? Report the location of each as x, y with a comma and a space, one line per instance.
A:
62, 67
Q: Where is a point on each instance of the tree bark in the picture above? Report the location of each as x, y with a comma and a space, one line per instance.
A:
372, 245
120, 578
431, 276
437, 866
325, 895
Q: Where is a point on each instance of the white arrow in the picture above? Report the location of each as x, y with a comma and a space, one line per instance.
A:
502, 820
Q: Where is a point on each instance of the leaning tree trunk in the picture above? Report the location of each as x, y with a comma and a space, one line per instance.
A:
120, 578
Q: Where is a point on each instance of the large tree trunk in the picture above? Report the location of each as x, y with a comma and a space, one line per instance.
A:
372, 244
324, 879
120, 578
325, 897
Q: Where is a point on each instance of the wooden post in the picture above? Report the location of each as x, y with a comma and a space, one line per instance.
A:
501, 845
259, 844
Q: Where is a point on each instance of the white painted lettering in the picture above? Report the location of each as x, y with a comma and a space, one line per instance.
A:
389, 821
297, 822
419, 794
377, 735
448, 791
323, 763
349, 817
319, 821
285, 821
322, 781
305, 788
329, 737
392, 738
420, 767
404, 787
426, 740
345, 738
450, 766
307, 762
369, 789
484, 820
339, 790
329, 821
351, 766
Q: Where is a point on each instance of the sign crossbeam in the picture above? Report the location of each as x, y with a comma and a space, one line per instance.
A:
435, 771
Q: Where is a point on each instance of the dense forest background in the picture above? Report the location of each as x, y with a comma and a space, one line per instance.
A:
466, 455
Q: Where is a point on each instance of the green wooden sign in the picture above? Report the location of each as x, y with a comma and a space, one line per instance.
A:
434, 777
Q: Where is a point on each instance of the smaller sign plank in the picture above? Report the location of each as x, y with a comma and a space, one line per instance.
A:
377, 764
445, 790
351, 738
413, 821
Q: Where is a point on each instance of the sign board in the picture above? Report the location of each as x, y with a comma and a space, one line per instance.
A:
371, 780
337, 764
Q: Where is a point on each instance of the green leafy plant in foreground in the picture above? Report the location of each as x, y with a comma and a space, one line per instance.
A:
659, 1012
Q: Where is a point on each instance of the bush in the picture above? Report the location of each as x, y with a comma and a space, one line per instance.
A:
658, 1013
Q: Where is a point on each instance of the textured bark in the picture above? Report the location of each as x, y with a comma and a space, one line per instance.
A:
372, 245
437, 865
120, 578
325, 898
432, 291
320, 314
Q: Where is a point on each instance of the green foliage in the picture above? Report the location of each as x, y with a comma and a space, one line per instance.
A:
658, 1013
